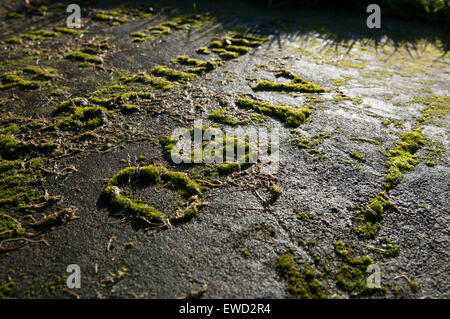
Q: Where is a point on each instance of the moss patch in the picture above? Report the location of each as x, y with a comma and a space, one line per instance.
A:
352, 276
212, 149
342, 97
113, 17
297, 84
369, 219
401, 159
5, 290
152, 81
435, 107
82, 117
40, 74
291, 116
203, 50
38, 35
302, 282
11, 80
358, 157
207, 65
245, 40
150, 175
69, 30
83, 57
220, 116
171, 74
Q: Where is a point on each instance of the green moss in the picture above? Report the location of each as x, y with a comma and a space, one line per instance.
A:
339, 82
256, 117
14, 15
86, 136
228, 168
170, 24
302, 142
54, 283
160, 29
322, 135
198, 63
303, 216
18, 179
245, 252
291, 116
341, 250
343, 97
12, 129
87, 65
220, 116
215, 45
96, 47
435, 107
297, 84
379, 205
5, 290
351, 277
415, 287
397, 123
398, 291
346, 254
129, 108
275, 193
228, 54
42, 74
246, 40
82, 117
369, 230
389, 250
83, 57
171, 74
132, 95
370, 219
357, 156
301, 282
69, 105
12, 80
13, 40
140, 37
110, 89
197, 70
401, 159
134, 209
7, 227
238, 49
203, 50
148, 80
38, 35
69, 31
432, 152
11, 148
48, 146
219, 146
111, 17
